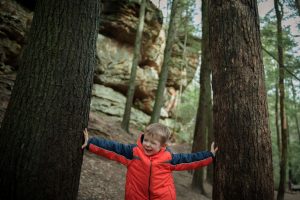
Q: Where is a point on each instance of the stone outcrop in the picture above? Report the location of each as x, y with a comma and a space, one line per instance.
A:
115, 46
14, 23
115, 52
119, 19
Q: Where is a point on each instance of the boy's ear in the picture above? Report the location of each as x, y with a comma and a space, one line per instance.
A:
164, 145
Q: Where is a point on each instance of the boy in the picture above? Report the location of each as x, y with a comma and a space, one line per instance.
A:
149, 163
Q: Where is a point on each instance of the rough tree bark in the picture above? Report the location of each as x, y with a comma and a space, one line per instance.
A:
210, 131
41, 134
243, 168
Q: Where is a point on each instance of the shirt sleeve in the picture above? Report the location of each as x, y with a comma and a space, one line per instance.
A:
112, 150
188, 161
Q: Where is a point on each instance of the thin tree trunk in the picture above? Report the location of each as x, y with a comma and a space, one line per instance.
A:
297, 2
136, 57
290, 172
182, 66
41, 134
163, 76
277, 121
296, 109
283, 157
243, 166
199, 142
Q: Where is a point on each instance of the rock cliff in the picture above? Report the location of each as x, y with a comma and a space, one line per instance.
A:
115, 46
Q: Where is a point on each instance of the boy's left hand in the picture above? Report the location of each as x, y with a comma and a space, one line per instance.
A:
86, 137
213, 149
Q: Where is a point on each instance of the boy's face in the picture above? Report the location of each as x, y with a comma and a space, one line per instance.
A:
151, 145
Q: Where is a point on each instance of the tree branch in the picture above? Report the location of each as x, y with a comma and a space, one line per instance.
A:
288, 71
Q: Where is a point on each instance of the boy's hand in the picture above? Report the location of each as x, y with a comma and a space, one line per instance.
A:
86, 137
213, 149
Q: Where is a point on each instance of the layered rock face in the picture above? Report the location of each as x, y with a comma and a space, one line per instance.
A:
14, 24
115, 46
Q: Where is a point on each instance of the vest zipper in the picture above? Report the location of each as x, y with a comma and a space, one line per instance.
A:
149, 179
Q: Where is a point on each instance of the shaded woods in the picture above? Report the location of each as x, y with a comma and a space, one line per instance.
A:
232, 77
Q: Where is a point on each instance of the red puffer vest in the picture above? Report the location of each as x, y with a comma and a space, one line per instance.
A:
150, 177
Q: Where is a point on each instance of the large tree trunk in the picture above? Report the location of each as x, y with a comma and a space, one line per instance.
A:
163, 76
243, 167
199, 142
210, 131
283, 154
136, 57
41, 134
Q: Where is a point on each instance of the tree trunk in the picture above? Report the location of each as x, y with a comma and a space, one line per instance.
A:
283, 157
296, 109
297, 2
182, 66
163, 76
277, 120
209, 117
290, 172
210, 131
243, 166
41, 134
199, 142
136, 57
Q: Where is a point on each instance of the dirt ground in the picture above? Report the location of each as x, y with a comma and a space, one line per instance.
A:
105, 179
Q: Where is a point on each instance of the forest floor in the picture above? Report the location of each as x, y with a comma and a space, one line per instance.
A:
105, 179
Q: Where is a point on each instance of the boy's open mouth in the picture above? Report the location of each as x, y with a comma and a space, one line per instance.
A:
148, 150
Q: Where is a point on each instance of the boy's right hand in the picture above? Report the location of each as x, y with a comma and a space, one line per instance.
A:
86, 138
213, 149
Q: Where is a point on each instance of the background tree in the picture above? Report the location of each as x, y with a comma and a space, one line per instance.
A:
294, 5
291, 68
243, 168
41, 134
201, 128
295, 116
283, 121
297, 2
163, 76
135, 60
277, 119
188, 42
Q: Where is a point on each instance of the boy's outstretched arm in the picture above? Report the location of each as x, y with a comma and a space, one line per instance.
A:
110, 149
188, 161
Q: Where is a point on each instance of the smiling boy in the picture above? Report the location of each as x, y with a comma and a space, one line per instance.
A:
149, 163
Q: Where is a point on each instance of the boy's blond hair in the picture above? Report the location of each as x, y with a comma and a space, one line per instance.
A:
158, 130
